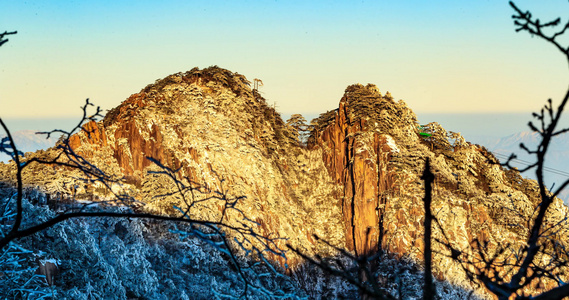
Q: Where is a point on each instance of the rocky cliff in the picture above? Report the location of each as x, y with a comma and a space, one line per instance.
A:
375, 150
355, 183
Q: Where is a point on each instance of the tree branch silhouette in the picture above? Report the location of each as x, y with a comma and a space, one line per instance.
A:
5, 33
511, 270
524, 22
428, 177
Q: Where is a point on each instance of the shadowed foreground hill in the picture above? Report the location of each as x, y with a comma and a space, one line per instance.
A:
356, 183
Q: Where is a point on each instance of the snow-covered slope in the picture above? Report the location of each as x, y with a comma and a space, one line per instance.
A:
355, 184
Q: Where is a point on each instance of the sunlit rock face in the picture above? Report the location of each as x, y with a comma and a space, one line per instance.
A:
358, 144
221, 135
373, 149
356, 183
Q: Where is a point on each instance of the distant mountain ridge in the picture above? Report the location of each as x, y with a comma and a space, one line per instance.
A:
28, 141
556, 161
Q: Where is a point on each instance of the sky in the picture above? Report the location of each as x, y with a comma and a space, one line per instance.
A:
440, 57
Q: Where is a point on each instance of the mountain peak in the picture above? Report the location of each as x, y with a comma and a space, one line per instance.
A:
367, 109
164, 93
357, 184
213, 77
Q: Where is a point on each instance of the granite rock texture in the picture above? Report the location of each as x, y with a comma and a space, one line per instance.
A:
355, 182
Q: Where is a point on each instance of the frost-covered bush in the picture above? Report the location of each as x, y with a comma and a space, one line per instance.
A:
17, 271
403, 278
17, 275
119, 258
320, 285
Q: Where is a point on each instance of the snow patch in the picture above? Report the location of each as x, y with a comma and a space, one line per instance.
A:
391, 143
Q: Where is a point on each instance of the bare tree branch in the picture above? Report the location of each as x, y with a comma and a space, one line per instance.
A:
510, 269
5, 33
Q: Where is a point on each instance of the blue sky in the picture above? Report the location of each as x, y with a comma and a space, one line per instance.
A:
439, 56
